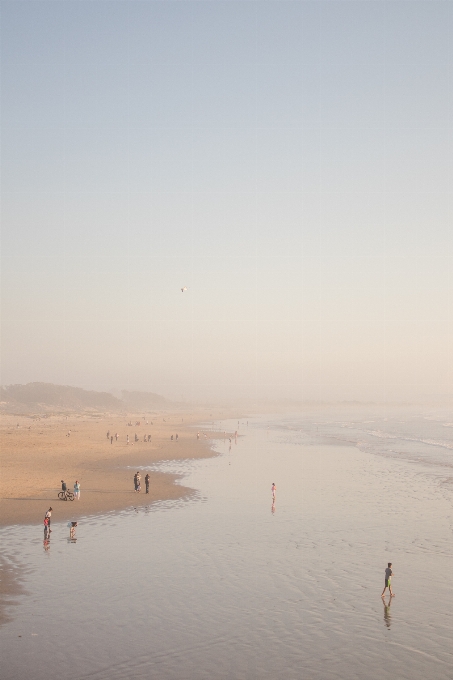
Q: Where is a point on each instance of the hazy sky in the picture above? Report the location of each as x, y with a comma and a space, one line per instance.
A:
289, 162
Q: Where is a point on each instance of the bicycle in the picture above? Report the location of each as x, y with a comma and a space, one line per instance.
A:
66, 496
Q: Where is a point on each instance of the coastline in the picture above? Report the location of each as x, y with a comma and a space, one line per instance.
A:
38, 452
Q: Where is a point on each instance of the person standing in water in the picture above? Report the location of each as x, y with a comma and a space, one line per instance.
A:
147, 483
388, 580
47, 516
274, 490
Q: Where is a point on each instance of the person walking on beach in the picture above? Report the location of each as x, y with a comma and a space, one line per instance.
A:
111, 439
139, 488
135, 481
147, 483
77, 490
274, 490
388, 580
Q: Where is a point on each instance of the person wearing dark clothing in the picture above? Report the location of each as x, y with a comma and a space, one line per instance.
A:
147, 483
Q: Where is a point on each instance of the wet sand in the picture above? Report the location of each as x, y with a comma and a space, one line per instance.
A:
232, 586
37, 453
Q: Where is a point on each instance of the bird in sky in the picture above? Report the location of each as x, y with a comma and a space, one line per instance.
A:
183, 289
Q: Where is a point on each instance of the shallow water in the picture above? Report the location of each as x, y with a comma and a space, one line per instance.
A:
222, 587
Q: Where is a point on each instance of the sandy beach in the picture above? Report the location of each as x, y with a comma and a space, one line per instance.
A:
234, 585
37, 453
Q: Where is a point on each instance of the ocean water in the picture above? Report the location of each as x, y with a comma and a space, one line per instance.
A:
226, 584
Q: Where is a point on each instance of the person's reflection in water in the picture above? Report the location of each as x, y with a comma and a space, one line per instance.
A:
273, 507
46, 544
387, 615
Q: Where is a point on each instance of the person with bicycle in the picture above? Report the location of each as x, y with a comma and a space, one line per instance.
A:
64, 494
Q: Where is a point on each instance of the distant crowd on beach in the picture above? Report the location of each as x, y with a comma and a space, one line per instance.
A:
116, 436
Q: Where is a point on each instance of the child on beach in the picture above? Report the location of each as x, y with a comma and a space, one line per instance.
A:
47, 517
388, 580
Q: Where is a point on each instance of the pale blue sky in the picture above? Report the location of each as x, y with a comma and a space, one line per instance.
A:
290, 162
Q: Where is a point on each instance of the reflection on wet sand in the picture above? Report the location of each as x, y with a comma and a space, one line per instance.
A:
11, 575
387, 615
291, 575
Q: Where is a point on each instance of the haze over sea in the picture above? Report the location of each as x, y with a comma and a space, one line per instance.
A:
223, 585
